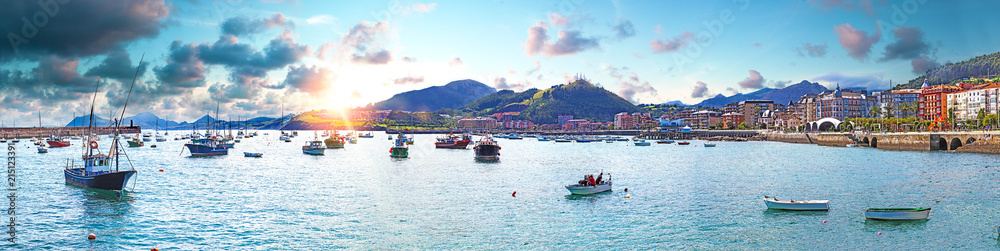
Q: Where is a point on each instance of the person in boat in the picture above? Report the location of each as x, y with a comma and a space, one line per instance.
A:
583, 182
600, 178
591, 181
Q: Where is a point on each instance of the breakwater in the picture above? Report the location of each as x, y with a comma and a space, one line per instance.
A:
41, 132
971, 141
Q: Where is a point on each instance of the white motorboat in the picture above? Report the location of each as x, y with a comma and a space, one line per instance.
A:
798, 205
709, 144
640, 142
582, 187
917, 213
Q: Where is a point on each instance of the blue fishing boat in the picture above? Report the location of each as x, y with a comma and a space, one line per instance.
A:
206, 147
99, 170
255, 155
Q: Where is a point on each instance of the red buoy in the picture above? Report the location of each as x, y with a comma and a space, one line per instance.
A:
824, 221
161, 170
879, 233
91, 236
514, 194
154, 249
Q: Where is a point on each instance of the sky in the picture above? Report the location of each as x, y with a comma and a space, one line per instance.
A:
255, 58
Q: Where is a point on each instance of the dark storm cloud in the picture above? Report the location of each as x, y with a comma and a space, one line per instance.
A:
118, 66
77, 28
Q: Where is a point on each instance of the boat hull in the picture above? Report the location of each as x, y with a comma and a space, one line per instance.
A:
461, 144
114, 181
54, 144
641, 143
891, 214
255, 155
203, 150
582, 190
487, 152
805, 205
333, 143
399, 152
313, 151
134, 143
709, 144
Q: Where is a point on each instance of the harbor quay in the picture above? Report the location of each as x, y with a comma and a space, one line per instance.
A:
962, 141
42, 132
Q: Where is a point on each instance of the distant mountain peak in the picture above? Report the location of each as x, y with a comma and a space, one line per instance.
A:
781, 96
453, 95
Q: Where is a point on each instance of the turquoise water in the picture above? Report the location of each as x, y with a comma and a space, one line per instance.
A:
679, 197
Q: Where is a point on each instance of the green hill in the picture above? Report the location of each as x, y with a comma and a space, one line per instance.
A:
580, 99
453, 95
985, 65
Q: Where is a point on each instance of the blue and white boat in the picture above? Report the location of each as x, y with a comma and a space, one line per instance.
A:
314, 147
796, 205
640, 142
255, 155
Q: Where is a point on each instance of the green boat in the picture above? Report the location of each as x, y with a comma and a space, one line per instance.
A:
334, 141
134, 142
399, 150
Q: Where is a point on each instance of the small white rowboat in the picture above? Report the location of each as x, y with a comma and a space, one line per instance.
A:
799, 205
919, 213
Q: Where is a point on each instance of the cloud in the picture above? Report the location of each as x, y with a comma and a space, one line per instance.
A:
502, 84
455, 62
362, 46
373, 57
624, 29
700, 90
538, 67
857, 43
226, 93
870, 82
308, 79
55, 79
420, 7
408, 80
671, 45
658, 29
321, 19
632, 86
922, 64
909, 44
323, 50
815, 51
756, 45
568, 42
247, 65
511, 71
79, 28
409, 59
242, 26
355, 94
558, 20
118, 66
779, 84
183, 66
754, 81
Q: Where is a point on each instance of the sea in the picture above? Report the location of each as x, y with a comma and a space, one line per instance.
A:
677, 197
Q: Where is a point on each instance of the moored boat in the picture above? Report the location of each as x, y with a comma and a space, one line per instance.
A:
206, 147
683, 143
664, 141
797, 205
709, 144
915, 213
487, 149
255, 155
453, 141
640, 142
57, 142
334, 140
42, 149
590, 185
314, 147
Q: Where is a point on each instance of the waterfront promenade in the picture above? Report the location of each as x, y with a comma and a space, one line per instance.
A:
41, 132
961, 141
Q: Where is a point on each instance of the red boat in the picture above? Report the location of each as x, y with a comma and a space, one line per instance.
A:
683, 143
453, 142
57, 142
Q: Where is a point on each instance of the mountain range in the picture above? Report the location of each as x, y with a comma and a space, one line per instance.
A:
450, 96
149, 120
779, 96
580, 98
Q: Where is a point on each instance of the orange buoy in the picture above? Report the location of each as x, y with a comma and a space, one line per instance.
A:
161, 170
91, 236
154, 249
93, 144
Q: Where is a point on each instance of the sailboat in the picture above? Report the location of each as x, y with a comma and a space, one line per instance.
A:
159, 138
99, 170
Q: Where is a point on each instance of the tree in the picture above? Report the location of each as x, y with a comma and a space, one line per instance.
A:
980, 117
990, 119
888, 111
951, 117
742, 126
730, 125
875, 111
